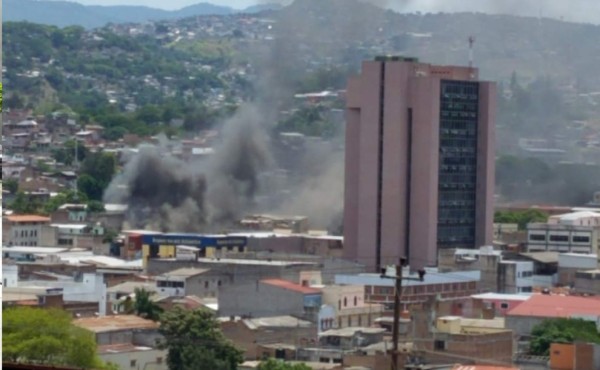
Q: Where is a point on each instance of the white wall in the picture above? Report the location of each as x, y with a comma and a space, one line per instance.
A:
10, 276
144, 359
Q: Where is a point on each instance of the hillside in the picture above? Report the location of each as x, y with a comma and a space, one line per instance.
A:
88, 16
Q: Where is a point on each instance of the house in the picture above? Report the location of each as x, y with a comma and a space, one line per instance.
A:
270, 297
25, 230
261, 337
189, 281
571, 263
128, 341
446, 285
539, 307
349, 305
500, 303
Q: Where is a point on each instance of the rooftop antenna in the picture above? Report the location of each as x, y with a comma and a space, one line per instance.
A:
471, 42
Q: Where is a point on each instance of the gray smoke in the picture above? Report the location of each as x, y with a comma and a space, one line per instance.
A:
166, 193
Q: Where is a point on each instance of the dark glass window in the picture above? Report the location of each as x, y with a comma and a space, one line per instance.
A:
459, 114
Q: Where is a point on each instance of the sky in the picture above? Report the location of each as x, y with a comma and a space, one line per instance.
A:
568, 10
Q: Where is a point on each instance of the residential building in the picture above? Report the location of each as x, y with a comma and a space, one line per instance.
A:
500, 303
25, 230
258, 337
350, 307
190, 281
539, 307
129, 341
270, 297
587, 282
419, 162
445, 285
575, 232
570, 263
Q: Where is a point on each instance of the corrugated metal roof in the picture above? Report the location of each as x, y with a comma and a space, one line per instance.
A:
291, 286
557, 306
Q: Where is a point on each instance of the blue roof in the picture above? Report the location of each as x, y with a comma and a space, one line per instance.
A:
430, 278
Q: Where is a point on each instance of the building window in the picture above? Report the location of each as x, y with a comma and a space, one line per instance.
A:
349, 321
355, 301
559, 238
159, 360
581, 239
537, 237
439, 345
504, 305
206, 284
359, 320
339, 304
132, 363
345, 302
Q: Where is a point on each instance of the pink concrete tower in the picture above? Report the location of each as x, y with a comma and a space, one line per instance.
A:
419, 161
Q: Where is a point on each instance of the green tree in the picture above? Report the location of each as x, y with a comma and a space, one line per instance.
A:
46, 336
97, 171
522, 218
194, 340
23, 204
12, 185
143, 305
69, 196
561, 331
273, 364
95, 206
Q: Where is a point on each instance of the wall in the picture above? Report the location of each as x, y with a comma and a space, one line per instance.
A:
562, 356
522, 325
144, 360
256, 299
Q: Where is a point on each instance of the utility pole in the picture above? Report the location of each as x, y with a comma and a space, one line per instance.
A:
397, 301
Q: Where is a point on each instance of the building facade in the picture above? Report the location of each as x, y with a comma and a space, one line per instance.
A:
25, 230
419, 162
576, 232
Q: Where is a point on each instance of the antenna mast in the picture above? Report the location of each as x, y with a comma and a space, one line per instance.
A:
471, 42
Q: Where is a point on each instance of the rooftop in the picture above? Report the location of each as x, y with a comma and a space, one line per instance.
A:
242, 261
348, 332
114, 323
276, 321
541, 305
128, 287
184, 273
121, 348
288, 285
429, 279
542, 257
27, 218
500, 296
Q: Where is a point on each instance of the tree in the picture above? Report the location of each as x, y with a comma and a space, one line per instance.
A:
561, 331
46, 336
194, 341
12, 185
96, 173
143, 305
273, 364
522, 218
69, 196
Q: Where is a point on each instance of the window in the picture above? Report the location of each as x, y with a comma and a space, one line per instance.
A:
559, 238
219, 283
132, 363
439, 345
581, 239
537, 237
504, 305
349, 321
206, 284
159, 360
359, 320
345, 302
339, 304
355, 301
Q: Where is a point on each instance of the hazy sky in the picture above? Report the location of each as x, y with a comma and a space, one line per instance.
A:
569, 10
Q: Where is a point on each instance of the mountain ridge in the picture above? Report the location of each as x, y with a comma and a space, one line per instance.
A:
94, 16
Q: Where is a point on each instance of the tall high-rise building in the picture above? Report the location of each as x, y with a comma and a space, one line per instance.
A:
419, 161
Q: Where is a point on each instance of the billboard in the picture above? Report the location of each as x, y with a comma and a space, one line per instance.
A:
196, 240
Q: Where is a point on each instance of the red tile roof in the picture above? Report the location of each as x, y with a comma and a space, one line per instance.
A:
27, 218
557, 306
291, 286
482, 367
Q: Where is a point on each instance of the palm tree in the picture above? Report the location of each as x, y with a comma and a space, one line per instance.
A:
143, 305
